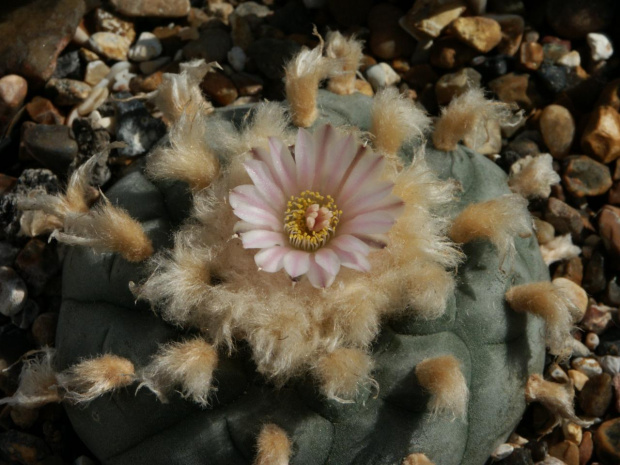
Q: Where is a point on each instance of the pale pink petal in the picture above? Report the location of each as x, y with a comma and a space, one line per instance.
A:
350, 243
390, 204
305, 159
328, 260
354, 260
260, 238
258, 217
367, 167
283, 166
339, 158
319, 276
296, 263
376, 241
247, 194
367, 223
271, 259
323, 138
268, 188
368, 196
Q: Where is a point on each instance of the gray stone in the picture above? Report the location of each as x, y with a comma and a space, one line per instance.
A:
51, 145
136, 127
13, 292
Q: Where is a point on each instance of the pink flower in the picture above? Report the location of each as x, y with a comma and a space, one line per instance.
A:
311, 213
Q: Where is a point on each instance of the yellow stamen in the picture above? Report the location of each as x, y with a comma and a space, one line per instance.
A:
310, 220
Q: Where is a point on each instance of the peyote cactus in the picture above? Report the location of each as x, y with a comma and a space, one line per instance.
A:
336, 294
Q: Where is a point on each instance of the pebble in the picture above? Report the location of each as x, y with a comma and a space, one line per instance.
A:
538, 449
610, 96
152, 8
478, 32
513, 88
43, 111
13, 90
588, 366
555, 78
219, 88
68, 66
557, 374
67, 92
596, 395
502, 451
450, 53
44, 329
110, 45
36, 263
387, 39
578, 348
571, 60
601, 136
454, 84
558, 129
609, 229
584, 176
381, 75
23, 448
545, 232
616, 384
592, 341
95, 72
51, 145
13, 292
519, 456
512, 27
531, 55
574, 19
146, 84
107, 22
364, 87
212, 45
564, 218
612, 293
607, 442
597, 319
570, 269
23, 417
610, 364
566, 451
146, 48
149, 67
237, 58
34, 33
8, 252
136, 127
572, 432
578, 378
429, 19
585, 448
576, 295
25, 318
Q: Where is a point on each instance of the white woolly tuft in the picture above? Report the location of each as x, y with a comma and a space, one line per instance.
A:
303, 75
273, 446
188, 365
37, 383
467, 116
498, 220
552, 303
443, 379
92, 378
394, 120
532, 177
343, 372
559, 248
348, 52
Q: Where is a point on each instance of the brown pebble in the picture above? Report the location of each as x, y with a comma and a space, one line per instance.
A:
607, 442
43, 111
364, 87
67, 92
420, 76
44, 329
596, 320
584, 176
107, 22
24, 417
247, 84
596, 395
566, 451
578, 379
387, 39
545, 232
110, 45
570, 269
450, 53
601, 136
512, 33
585, 448
478, 32
610, 96
564, 218
428, 19
558, 129
23, 448
609, 229
219, 88
614, 194
513, 88
13, 90
454, 84
146, 83
531, 55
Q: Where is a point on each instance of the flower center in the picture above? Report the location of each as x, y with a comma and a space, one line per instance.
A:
310, 220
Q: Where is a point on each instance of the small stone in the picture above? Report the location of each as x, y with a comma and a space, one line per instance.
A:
601, 136
492, 67
557, 374
381, 75
43, 111
576, 295
519, 456
578, 378
585, 448
564, 218
574, 19
610, 364
44, 329
67, 92
502, 451
614, 194
13, 292
136, 127
585, 177
149, 67
219, 88
51, 145
607, 442
616, 385
122, 80
237, 58
612, 293
592, 341
558, 129
588, 366
110, 45
454, 84
538, 449
555, 78
597, 319
212, 45
95, 72
610, 96
23, 448
600, 46
512, 27
429, 19
566, 451
545, 232
478, 32
450, 53
513, 88
387, 39
146, 48
152, 8
609, 228
13, 91
531, 55
25, 318
570, 269
247, 84
23, 417
68, 66
36, 263
571, 60
572, 432
146, 84
107, 22
364, 87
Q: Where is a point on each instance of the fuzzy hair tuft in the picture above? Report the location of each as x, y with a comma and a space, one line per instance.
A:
467, 116
443, 379
348, 51
342, 372
395, 119
532, 177
498, 220
553, 304
273, 446
188, 364
417, 459
37, 383
92, 378
559, 248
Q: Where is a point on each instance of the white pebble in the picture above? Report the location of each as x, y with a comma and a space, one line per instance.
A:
502, 451
570, 60
146, 48
121, 81
600, 46
588, 366
381, 75
237, 58
592, 341
13, 292
611, 364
